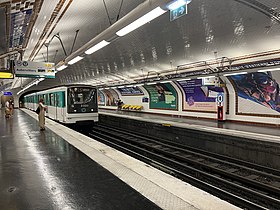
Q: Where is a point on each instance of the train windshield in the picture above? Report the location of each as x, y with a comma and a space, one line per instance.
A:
82, 100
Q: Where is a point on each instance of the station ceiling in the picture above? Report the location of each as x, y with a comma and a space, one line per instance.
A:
210, 30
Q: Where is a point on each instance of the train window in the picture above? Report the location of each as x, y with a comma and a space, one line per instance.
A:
51, 99
57, 99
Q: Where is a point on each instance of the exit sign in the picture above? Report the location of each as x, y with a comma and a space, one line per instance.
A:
179, 12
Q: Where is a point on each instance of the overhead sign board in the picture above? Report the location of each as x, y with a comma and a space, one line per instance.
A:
8, 94
6, 75
179, 12
6, 70
34, 69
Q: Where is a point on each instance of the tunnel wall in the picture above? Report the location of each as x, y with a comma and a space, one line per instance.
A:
231, 105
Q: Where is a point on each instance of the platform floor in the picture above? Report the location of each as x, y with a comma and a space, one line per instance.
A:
62, 169
261, 132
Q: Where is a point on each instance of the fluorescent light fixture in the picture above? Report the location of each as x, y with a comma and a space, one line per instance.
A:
151, 83
121, 87
231, 74
183, 79
141, 84
97, 47
141, 21
166, 81
101, 88
61, 67
129, 85
75, 60
265, 70
205, 77
176, 4
107, 88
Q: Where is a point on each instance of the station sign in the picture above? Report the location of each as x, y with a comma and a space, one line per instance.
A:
8, 94
179, 12
34, 69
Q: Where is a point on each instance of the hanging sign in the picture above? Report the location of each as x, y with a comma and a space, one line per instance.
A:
34, 69
178, 12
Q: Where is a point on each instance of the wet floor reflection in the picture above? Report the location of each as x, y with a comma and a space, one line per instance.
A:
39, 170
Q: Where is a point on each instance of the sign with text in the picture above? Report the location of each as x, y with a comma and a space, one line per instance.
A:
8, 94
130, 91
6, 69
34, 69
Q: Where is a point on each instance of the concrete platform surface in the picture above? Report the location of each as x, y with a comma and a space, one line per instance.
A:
62, 169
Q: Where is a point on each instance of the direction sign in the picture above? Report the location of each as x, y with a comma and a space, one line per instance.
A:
179, 12
34, 69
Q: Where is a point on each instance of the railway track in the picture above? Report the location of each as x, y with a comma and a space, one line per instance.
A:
244, 184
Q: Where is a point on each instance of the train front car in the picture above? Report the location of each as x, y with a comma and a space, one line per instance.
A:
82, 106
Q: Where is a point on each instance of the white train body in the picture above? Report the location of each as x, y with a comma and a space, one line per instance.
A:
67, 104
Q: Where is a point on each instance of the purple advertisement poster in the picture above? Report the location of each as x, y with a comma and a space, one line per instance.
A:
258, 92
198, 97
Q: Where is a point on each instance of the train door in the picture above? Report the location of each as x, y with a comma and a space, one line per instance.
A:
56, 102
58, 105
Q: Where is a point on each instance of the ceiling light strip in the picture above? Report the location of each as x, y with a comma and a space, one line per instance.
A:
61, 67
97, 47
75, 60
265, 70
141, 21
232, 74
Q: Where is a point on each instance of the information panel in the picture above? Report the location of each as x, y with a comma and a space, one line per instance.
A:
130, 91
162, 96
34, 69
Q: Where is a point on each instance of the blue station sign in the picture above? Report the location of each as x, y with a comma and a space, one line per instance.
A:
8, 94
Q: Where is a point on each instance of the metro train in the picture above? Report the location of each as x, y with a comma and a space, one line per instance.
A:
67, 104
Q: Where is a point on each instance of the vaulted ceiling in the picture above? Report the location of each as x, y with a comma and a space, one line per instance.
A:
219, 28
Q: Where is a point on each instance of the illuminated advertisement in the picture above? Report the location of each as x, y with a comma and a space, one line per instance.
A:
258, 92
162, 96
199, 97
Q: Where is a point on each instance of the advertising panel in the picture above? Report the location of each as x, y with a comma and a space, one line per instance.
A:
111, 97
199, 97
101, 98
130, 91
34, 69
258, 92
162, 96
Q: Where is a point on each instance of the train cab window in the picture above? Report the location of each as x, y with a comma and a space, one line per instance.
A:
82, 100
